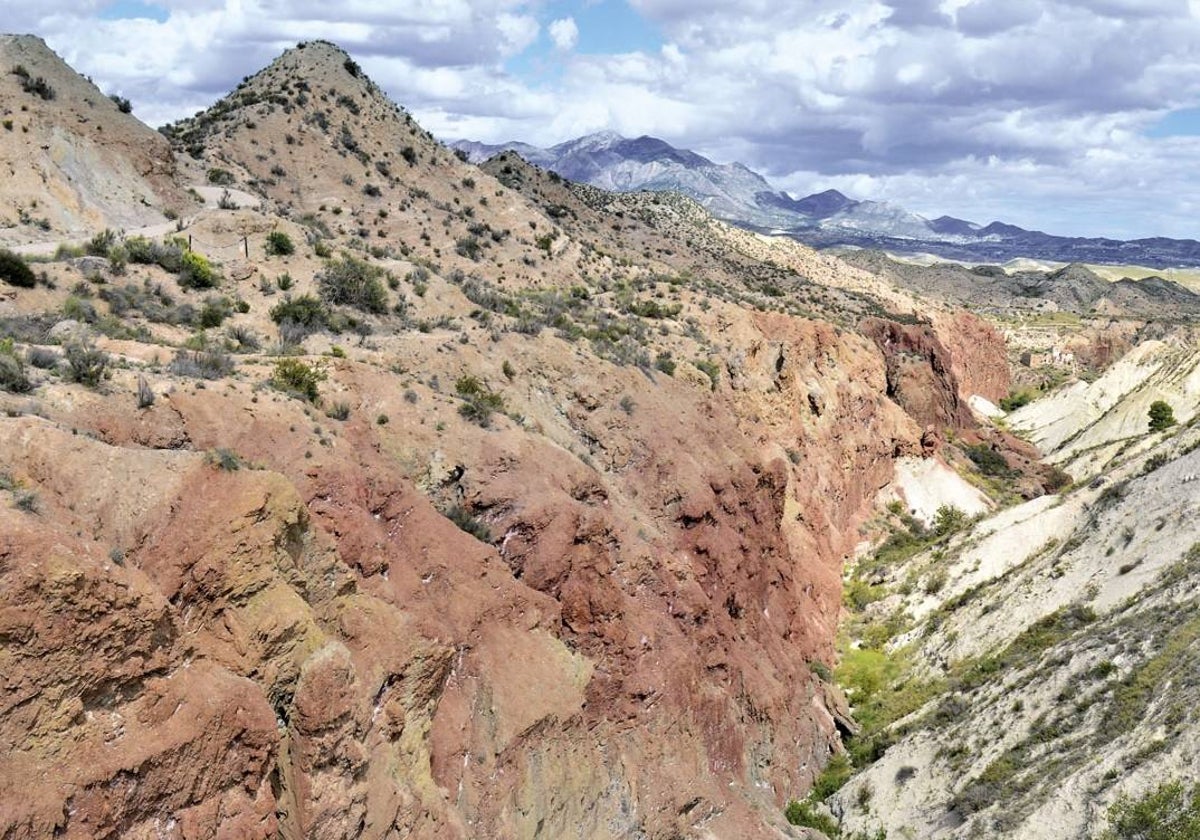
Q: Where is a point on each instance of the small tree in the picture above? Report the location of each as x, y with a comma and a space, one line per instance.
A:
1162, 416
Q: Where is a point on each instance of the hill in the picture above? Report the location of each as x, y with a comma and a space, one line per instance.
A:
73, 160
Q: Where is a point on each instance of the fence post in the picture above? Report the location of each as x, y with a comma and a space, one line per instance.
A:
246, 246
189, 242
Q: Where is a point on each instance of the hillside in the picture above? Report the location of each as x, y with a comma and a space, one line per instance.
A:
1042, 658
73, 162
387, 495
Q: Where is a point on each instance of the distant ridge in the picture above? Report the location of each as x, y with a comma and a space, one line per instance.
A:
826, 219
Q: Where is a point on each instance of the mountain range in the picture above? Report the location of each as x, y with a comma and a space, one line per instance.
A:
828, 219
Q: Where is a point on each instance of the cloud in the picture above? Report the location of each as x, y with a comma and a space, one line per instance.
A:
1038, 108
564, 33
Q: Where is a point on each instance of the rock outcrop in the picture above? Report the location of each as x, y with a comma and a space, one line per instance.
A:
549, 545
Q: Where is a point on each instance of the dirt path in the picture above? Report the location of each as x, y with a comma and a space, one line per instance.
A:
212, 197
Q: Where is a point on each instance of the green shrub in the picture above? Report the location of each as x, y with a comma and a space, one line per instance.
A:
461, 517
948, 520
710, 369
15, 271
836, 773
479, 402
298, 378
304, 311
196, 272
1016, 400
279, 244
805, 815
220, 177
224, 459
100, 244
1162, 416
987, 460
215, 311
1169, 812
665, 363
12, 369
353, 282
87, 363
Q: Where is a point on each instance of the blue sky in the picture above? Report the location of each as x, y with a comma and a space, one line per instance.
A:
133, 9
1071, 116
606, 27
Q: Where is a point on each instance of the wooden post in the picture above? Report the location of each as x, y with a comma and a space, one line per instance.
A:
246, 246
189, 242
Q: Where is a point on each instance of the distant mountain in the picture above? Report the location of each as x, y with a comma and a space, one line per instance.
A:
827, 219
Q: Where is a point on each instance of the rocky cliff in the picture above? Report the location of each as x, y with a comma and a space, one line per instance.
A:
485, 509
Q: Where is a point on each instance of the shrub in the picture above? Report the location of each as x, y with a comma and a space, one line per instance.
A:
207, 363
41, 357
27, 501
87, 363
948, 520
353, 282
15, 271
305, 312
804, 814
479, 402
296, 377
37, 86
665, 363
279, 244
987, 460
100, 244
1016, 400
166, 255
711, 369
469, 247
338, 411
1162, 416
1169, 812
224, 459
214, 312
245, 339
123, 104
220, 177
467, 523
196, 272
12, 369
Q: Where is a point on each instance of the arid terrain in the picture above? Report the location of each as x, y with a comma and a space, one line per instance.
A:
350, 489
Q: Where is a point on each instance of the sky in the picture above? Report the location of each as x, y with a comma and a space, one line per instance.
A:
1077, 117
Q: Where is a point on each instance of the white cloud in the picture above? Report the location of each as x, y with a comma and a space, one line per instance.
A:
1031, 109
564, 33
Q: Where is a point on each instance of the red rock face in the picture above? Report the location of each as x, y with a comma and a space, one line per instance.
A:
305, 647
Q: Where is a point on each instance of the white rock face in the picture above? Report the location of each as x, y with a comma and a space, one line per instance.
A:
1044, 617
926, 484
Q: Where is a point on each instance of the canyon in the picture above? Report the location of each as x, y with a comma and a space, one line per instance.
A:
352, 489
